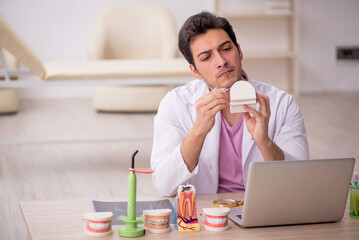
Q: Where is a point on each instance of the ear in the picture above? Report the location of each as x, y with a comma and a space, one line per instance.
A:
195, 72
240, 51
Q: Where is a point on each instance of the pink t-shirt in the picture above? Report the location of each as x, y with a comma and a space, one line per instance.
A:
230, 157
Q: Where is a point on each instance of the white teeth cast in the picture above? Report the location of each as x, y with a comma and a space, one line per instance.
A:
98, 226
216, 221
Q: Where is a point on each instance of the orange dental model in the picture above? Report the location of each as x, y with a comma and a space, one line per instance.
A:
186, 209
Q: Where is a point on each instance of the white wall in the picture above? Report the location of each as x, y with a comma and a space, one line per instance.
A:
61, 30
326, 24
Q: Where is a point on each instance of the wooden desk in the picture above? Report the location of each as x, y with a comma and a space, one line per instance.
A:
63, 220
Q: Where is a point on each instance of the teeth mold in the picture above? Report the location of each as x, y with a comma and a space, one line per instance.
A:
242, 93
98, 223
216, 219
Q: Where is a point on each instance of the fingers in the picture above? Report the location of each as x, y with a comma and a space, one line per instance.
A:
218, 98
257, 121
264, 108
217, 93
214, 100
208, 106
246, 115
251, 111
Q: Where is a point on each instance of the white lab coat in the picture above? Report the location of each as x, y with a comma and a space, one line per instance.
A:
177, 115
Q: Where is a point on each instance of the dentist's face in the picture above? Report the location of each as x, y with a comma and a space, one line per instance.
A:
217, 59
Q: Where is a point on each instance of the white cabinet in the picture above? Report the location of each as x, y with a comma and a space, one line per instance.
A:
268, 38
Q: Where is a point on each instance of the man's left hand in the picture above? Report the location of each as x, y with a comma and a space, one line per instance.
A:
257, 121
257, 125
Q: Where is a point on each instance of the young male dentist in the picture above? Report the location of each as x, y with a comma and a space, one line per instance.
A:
197, 140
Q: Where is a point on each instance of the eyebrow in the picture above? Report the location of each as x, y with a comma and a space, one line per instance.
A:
220, 45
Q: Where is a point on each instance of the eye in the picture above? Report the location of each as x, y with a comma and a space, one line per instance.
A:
205, 58
226, 49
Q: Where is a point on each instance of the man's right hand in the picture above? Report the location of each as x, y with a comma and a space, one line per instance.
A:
207, 106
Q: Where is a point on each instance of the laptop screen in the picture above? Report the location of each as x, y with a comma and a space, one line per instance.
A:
295, 192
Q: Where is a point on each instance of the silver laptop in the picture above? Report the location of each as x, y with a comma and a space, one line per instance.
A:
295, 192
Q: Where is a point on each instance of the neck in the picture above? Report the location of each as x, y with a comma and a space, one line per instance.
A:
231, 118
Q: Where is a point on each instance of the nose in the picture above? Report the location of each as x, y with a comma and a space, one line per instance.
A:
220, 61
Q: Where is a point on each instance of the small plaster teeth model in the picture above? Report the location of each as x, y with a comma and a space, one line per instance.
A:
242, 93
98, 223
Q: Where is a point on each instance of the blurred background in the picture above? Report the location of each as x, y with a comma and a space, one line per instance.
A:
56, 144
62, 31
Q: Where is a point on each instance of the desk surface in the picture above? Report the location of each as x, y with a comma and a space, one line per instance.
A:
63, 220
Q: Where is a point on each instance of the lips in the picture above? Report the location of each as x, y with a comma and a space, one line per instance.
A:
224, 72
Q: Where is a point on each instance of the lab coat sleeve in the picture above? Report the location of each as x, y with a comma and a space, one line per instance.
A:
170, 170
291, 137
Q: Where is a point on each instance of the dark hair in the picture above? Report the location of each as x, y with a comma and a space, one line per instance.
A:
199, 24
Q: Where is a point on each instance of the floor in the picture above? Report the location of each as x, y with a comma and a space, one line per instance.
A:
63, 149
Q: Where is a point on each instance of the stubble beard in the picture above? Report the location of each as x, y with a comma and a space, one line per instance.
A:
228, 85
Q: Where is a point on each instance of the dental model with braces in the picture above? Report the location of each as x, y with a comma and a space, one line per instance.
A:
186, 209
157, 220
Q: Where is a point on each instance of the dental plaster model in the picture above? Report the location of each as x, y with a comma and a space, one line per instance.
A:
186, 209
98, 224
242, 93
216, 219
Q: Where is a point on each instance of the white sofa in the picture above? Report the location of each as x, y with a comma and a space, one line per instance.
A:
129, 32
162, 71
